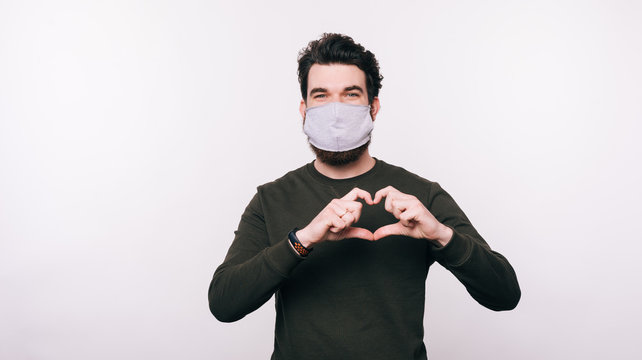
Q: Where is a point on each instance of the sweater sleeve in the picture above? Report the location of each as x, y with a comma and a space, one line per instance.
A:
252, 271
487, 275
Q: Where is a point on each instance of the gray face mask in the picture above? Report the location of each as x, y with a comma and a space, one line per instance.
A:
337, 126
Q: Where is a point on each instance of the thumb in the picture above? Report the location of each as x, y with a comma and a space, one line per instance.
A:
357, 232
392, 229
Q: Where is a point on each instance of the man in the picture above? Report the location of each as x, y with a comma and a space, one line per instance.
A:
346, 241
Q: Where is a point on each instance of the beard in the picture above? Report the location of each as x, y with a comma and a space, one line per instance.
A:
339, 158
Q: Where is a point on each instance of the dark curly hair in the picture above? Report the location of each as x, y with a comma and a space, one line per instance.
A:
339, 49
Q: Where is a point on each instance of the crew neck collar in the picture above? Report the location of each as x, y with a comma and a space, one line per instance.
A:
330, 181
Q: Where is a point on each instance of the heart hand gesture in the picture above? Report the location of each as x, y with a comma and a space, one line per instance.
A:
414, 219
335, 221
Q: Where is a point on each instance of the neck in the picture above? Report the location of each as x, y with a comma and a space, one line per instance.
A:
356, 168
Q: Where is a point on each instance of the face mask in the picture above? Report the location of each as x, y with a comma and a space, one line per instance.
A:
337, 126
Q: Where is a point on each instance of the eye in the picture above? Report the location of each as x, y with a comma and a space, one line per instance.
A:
319, 96
353, 95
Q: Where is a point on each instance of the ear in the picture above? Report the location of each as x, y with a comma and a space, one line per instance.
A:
374, 108
302, 108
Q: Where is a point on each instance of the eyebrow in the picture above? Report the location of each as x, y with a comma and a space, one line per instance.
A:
324, 90
318, 90
354, 87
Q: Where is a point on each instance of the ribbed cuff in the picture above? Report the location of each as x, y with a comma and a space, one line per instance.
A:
283, 258
456, 252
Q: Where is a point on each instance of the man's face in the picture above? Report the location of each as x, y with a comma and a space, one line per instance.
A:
337, 83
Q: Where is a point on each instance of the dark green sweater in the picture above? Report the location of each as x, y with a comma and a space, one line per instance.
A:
350, 299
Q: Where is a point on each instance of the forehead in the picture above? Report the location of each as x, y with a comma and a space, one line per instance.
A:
335, 77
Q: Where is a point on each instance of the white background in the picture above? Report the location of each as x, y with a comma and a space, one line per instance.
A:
133, 134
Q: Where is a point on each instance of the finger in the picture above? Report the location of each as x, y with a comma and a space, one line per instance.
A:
393, 197
345, 206
383, 193
339, 209
348, 218
355, 209
356, 215
337, 224
357, 193
388, 203
396, 208
399, 206
392, 229
390, 191
359, 233
416, 212
409, 217
350, 205
349, 211
397, 211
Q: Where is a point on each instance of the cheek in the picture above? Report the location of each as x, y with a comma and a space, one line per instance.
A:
317, 102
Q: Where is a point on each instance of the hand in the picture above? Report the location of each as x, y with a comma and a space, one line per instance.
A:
414, 219
335, 220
